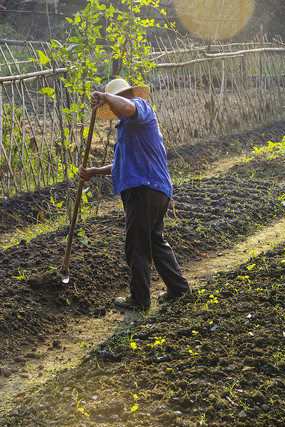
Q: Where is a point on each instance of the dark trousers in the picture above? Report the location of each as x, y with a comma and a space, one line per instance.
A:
145, 209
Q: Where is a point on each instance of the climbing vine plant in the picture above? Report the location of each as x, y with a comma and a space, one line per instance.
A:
101, 35
104, 41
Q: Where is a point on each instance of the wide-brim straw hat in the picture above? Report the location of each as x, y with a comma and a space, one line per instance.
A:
118, 87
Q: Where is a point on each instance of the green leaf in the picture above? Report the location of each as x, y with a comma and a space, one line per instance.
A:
55, 43
84, 198
77, 19
74, 107
48, 91
43, 58
74, 169
66, 110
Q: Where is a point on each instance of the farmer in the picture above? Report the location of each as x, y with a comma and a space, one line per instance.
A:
139, 173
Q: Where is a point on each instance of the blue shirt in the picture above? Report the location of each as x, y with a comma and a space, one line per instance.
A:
139, 152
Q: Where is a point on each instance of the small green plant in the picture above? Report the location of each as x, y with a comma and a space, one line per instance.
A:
212, 300
250, 267
200, 293
78, 401
84, 205
192, 352
272, 150
82, 235
56, 205
245, 279
130, 340
135, 407
22, 275
282, 199
158, 341
279, 357
231, 387
203, 419
55, 388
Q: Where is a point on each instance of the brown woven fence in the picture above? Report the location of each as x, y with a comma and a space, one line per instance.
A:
202, 92
29, 122
38, 145
198, 93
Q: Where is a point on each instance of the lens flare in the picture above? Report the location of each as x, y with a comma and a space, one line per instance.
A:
214, 19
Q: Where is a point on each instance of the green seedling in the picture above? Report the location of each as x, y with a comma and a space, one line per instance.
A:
135, 407
78, 401
231, 387
158, 341
22, 275
82, 234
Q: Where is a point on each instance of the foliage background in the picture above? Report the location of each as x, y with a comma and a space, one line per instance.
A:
270, 14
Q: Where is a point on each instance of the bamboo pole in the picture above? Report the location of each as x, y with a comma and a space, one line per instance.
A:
31, 76
1, 118
25, 111
193, 61
224, 55
9, 171
28, 12
246, 51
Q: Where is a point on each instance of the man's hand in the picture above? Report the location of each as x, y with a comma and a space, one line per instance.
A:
85, 174
97, 99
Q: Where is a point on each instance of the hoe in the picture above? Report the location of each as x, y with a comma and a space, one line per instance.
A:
64, 271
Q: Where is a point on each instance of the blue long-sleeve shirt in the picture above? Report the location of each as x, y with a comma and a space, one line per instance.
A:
139, 153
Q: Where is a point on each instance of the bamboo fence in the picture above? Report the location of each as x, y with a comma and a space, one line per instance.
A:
217, 90
29, 122
199, 92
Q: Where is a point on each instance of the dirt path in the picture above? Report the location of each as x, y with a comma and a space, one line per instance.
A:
261, 241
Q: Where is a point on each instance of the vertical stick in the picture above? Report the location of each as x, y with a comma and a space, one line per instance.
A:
1, 117
64, 269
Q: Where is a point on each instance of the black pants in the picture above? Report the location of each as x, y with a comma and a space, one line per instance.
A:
145, 209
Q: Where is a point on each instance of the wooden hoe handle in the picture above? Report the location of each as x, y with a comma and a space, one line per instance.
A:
79, 193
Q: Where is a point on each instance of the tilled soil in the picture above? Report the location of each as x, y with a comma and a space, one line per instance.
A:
214, 357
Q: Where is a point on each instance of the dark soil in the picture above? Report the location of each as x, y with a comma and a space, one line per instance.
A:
213, 358
259, 168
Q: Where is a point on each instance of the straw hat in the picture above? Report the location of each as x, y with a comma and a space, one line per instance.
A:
118, 87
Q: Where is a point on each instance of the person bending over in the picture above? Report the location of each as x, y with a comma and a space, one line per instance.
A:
140, 174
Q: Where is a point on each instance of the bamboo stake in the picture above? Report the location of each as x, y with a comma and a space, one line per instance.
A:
25, 110
11, 134
10, 171
1, 118
31, 76
12, 139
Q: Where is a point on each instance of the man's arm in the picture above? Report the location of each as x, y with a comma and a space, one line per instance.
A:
118, 104
86, 174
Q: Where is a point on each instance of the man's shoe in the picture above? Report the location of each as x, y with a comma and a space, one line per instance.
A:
169, 296
130, 303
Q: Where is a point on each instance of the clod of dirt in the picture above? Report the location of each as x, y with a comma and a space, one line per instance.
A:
45, 280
